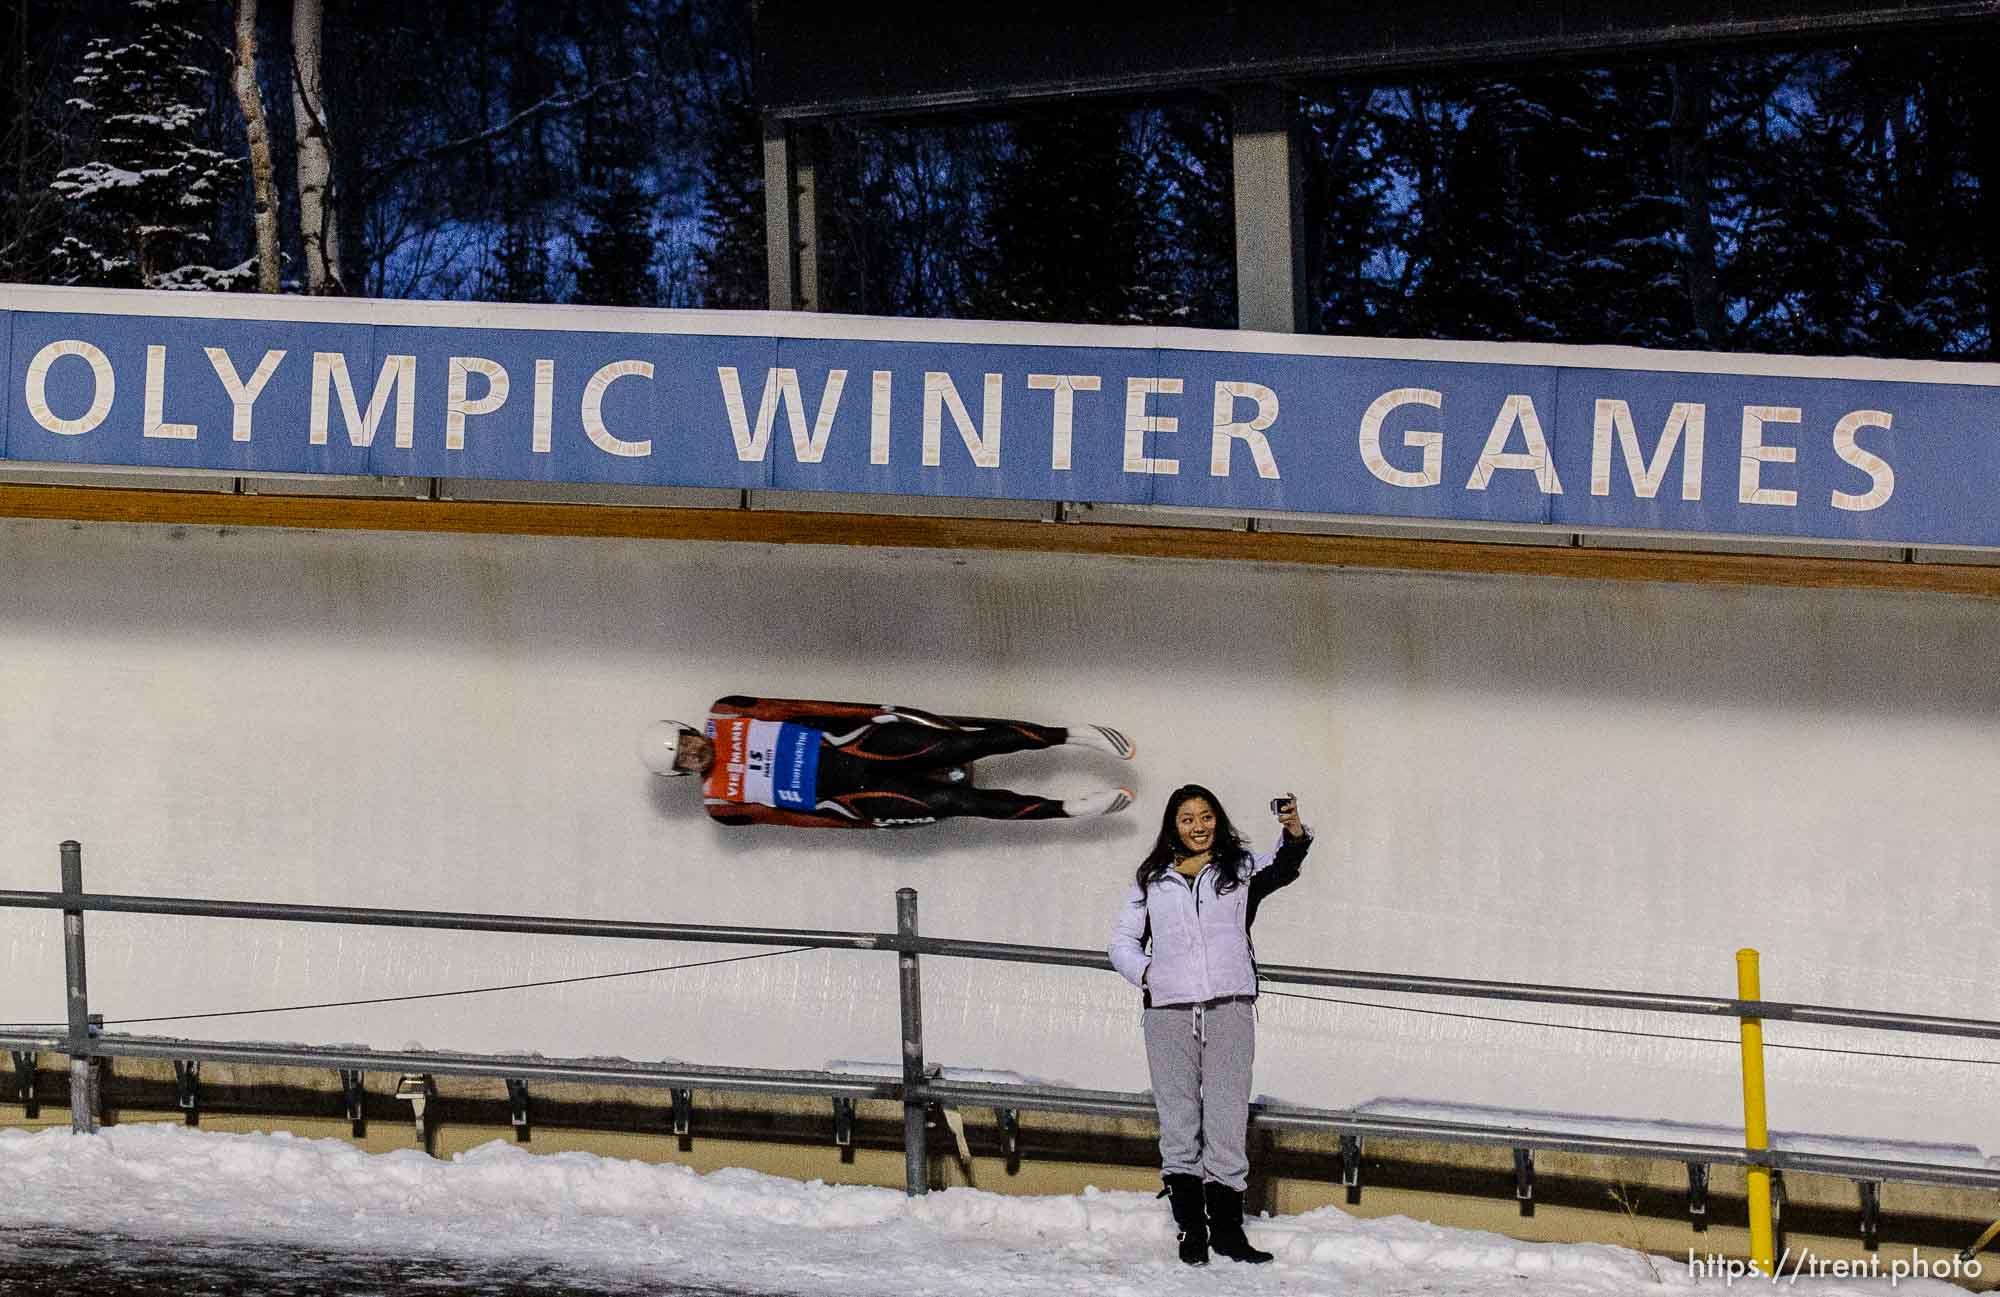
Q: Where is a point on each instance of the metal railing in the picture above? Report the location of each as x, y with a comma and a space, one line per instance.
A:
921, 1087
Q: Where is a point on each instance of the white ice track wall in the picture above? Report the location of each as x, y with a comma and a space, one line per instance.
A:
1531, 779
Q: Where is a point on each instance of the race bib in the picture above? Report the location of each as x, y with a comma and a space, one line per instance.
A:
768, 763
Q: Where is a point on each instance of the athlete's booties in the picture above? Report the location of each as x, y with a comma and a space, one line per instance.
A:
1080, 808
1103, 738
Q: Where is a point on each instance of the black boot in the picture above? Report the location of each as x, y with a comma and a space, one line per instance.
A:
1184, 1195
1225, 1224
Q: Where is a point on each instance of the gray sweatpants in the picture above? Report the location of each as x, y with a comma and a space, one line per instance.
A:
1200, 1058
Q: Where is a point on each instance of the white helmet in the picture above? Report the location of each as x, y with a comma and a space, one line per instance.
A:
660, 744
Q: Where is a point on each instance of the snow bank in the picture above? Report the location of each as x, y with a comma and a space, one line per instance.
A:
751, 1231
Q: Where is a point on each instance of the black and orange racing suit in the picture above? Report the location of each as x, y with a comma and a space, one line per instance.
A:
860, 765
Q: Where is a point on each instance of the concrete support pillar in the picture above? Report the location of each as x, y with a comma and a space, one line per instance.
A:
1270, 210
791, 218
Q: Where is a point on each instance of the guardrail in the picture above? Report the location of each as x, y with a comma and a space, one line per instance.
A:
920, 1087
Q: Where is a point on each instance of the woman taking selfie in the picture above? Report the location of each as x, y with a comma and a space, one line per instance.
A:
1183, 938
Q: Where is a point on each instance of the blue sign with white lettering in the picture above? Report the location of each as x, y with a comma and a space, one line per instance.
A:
1572, 438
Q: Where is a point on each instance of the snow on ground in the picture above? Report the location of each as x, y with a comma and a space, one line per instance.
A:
745, 1231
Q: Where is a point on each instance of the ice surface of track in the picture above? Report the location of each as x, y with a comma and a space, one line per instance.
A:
1541, 780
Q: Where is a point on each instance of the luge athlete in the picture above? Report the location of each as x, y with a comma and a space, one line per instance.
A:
863, 765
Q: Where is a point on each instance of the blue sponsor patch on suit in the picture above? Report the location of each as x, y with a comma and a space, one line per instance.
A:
795, 768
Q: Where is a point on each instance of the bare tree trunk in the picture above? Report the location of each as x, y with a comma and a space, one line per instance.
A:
251, 100
1688, 146
1983, 145
23, 111
317, 225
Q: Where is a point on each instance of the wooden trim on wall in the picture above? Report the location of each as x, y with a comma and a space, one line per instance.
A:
214, 509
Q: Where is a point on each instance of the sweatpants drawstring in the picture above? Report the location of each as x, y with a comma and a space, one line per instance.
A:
1200, 1024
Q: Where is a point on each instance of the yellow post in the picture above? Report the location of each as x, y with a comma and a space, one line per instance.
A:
1756, 1134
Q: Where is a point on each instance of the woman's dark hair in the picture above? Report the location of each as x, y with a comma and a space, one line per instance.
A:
1227, 854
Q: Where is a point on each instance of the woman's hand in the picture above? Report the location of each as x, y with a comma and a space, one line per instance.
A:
1289, 817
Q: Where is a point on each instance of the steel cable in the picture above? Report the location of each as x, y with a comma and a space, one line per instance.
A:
426, 995
1626, 1031
795, 950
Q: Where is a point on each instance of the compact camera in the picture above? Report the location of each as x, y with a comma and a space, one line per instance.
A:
1279, 805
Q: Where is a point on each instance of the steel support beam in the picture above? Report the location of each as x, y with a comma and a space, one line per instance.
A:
1270, 211
82, 1069
792, 225
817, 61
916, 1140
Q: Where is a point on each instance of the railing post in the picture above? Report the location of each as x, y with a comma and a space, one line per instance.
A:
916, 1146
1756, 1133
82, 1071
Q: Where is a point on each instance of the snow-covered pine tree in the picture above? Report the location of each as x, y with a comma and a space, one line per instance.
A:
1619, 223
732, 266
36, 46
617, 244
526, 172
1472, 159
143, 203
616, 253
1809, 223
1349, 215
1063, 225
1538, 208
518, 270
1910, 102
1186, 202
1692, 151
